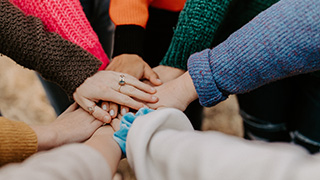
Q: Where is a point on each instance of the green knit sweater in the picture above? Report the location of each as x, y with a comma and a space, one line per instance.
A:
203, 24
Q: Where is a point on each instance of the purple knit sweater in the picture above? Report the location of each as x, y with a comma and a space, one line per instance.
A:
282, 41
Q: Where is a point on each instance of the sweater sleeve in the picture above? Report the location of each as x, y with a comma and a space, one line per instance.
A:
24, 39
68, 20
74, 161
280, 42
17, 141
163, 145
196, 28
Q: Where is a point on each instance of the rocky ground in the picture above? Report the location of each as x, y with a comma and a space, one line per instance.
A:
22, 98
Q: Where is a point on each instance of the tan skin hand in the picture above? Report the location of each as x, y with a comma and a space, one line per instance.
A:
135, 66
178, 93
168, 73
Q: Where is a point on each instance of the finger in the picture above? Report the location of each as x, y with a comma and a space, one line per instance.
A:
105, 106
113, 110
136, 93
71, 108
152, 76
115, 124
122, 99
97, 112
138, 84
124, 110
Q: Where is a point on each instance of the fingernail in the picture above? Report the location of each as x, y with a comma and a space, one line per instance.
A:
104, 107
152, 89
106, 119
123, 111
111, 112
159, 80
154, 98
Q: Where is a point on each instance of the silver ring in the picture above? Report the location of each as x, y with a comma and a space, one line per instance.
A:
122, 81
91, 109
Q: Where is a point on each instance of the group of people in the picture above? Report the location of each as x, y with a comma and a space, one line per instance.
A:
166, 55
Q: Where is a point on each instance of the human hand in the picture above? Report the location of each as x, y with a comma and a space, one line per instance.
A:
135, 66
102, 141
113, 109
178, 93
168, 73
104, 85
73, 125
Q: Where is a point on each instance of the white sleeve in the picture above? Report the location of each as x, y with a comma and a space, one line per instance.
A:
163, 145
69, 162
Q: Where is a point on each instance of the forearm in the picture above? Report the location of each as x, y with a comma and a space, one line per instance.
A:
17, 141
75, 161
280, 42
24, 39
68, 20
193, 32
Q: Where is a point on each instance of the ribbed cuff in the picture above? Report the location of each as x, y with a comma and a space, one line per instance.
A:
18, 141
129, 39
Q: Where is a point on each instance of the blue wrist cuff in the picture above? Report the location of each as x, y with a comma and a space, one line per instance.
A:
121, 135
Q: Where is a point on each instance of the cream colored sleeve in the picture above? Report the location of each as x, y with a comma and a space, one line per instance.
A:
17, 141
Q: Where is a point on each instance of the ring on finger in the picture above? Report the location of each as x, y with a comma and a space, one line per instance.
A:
122, 81
91, 109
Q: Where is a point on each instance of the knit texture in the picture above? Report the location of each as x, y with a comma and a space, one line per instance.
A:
280, 42
195, 30
17, 141
67, 19
24, 39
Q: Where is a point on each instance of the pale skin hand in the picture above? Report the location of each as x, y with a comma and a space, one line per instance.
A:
168, 73
178, 93
73, 125
134, 65
104, 86
102, 141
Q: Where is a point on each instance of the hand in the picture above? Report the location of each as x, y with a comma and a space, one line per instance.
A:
168, 73
113, 109
73, 125
104, 85
178, 93
135, 66
102, 141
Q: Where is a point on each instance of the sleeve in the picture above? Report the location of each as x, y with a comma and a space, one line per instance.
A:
163, 145
130, 18
74, 161
68, 20
17, 141
197, 27
24, 39
280, 42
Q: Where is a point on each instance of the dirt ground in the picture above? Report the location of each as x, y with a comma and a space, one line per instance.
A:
22, 98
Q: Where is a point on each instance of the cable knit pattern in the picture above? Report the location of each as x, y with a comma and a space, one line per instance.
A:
67, 19
24, 39
17, 141
280, 42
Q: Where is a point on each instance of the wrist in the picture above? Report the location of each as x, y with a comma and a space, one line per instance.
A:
189, 92
47, 137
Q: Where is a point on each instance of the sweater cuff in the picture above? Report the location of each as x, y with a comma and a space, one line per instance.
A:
18, 141
203, 80
129, 39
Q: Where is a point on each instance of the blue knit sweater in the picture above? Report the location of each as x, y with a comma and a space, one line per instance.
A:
282, 41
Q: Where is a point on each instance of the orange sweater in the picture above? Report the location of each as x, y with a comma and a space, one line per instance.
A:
17, 141
135, 12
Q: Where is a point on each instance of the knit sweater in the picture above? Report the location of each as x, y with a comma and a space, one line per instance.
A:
24, 39
280, 42
204, 23
67, 19
130, 18
18, 141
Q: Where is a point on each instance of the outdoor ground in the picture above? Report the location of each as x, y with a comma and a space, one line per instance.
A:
22, 98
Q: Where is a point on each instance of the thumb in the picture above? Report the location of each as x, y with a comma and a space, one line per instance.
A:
152, 76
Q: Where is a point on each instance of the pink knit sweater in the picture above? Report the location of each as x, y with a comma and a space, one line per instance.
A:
66, 18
